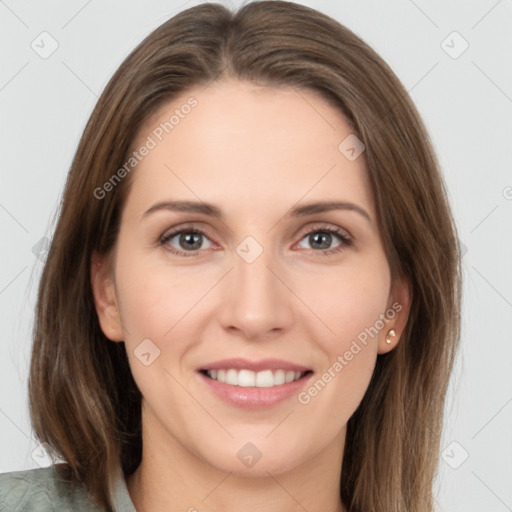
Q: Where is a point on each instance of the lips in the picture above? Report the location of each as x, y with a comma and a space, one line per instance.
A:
254, 384
255, 366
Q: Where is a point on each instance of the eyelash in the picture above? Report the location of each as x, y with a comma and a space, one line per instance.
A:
345, 240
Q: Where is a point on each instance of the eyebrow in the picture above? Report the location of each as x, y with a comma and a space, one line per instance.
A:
214, 211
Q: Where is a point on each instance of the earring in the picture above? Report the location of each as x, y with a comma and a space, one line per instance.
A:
390, 333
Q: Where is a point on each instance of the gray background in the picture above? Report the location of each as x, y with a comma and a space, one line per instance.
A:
465, 100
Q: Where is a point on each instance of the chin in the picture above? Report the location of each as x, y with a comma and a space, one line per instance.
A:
255, 459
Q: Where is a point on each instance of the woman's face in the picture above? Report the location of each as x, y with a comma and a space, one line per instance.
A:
264, 280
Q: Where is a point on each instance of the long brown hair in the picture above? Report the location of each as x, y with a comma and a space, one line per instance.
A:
84, 402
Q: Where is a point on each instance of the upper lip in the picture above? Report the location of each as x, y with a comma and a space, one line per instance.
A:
255, 366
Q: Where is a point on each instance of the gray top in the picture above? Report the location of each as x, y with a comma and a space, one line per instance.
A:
42, 490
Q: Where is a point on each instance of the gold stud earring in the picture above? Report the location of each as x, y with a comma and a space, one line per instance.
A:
390, 333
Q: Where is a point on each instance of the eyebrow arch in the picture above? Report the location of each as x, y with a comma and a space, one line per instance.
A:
214, 211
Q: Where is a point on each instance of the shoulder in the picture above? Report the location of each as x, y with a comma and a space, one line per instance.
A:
42, 490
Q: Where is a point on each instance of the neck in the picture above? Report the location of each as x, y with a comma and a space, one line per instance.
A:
171, 477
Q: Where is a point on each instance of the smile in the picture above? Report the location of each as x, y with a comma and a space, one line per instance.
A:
249, 378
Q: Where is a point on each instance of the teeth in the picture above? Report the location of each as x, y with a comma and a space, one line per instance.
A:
248, 378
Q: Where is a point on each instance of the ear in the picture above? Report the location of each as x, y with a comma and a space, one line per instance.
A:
399, 306
105, 298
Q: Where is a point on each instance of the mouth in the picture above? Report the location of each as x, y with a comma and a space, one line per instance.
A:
247, 378
250, 384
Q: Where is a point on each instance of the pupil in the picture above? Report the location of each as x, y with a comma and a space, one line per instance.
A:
189, 239
317, 237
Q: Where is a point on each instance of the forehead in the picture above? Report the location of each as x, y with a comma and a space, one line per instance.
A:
251, 145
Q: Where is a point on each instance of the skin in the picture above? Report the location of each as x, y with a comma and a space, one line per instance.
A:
255, 152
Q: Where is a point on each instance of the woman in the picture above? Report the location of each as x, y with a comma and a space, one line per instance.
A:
252, 297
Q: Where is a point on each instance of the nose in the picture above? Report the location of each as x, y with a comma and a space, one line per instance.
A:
257, 301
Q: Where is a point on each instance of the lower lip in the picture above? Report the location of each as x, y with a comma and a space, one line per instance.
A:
253, 397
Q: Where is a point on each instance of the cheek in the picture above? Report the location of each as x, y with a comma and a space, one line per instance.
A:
353, 301
353, 308
152, 297
152, 307
146, 304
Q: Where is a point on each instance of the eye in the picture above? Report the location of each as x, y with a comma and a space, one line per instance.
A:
321, 238
189, 238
